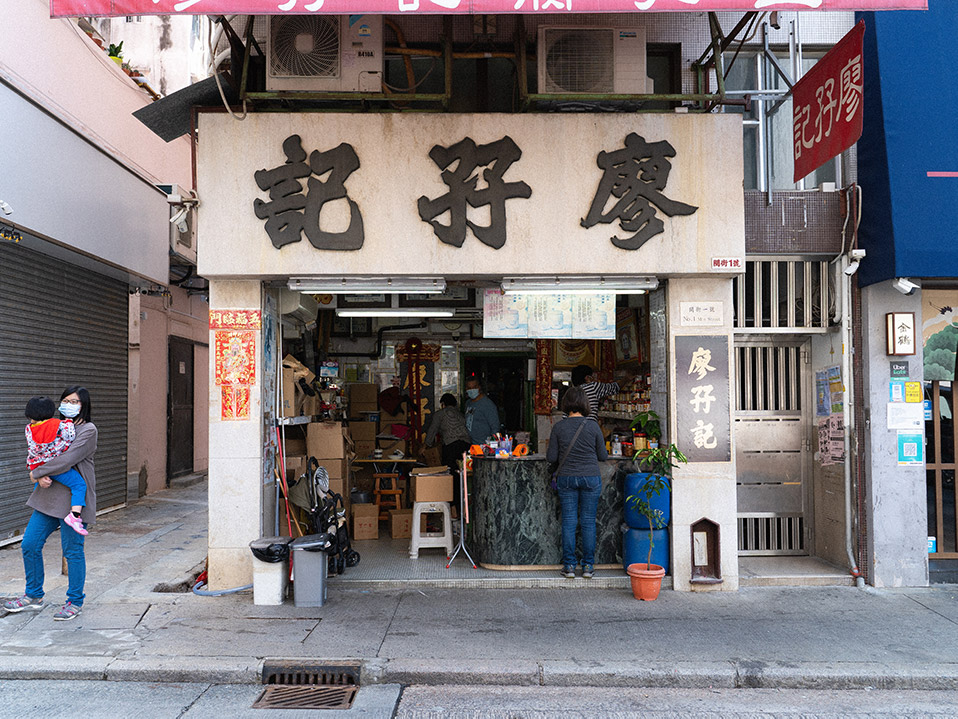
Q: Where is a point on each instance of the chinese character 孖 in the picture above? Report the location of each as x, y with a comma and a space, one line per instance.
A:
700, 363
635, 176
462, 183
703, 396
703, 436
290, 213
413, 5
851, 87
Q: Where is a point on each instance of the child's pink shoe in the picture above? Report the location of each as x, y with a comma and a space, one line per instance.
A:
75, 523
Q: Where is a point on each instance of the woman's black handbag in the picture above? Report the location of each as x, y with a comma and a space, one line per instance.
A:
554, 466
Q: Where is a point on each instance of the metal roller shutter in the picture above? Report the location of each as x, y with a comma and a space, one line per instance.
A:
60, 325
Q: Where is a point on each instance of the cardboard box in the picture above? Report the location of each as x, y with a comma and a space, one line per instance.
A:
364, 448
325, 440
295, 466
294, 445
289, 393
339, 487
400, 523
363, 397
432, 487
388, 446
335, 468
432, 455
365, 521
299, 370
311, 406
363, 431
386, 420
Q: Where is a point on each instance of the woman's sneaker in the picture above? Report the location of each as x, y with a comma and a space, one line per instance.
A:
67, 612
76, 524
588, 571
24, 602
568, 572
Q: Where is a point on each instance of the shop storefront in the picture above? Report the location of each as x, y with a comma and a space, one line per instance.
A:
557, 240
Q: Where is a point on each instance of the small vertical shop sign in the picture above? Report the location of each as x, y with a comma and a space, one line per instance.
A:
900, 333
702, 398
234, 359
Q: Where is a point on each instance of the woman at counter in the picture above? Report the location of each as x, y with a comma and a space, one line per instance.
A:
577, 443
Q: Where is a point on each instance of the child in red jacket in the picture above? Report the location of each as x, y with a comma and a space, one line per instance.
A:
48, 438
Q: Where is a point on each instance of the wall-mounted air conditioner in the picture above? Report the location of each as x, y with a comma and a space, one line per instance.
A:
325, 53
183, 233
297, 307
575, 59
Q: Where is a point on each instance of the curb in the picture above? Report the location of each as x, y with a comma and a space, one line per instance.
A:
442, 672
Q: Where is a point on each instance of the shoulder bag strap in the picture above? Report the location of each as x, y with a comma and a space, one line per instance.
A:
565, 455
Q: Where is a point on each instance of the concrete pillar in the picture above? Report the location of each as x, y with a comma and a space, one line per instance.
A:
702, 489
235, 457
896, 514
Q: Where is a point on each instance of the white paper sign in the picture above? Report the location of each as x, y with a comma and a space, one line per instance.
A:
905, 416
702, 314
593, 317
504, 315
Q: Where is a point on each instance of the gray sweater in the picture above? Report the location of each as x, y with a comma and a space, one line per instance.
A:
589, 449
55, 499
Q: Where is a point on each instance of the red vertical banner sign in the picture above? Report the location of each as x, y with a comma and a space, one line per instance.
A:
827, 105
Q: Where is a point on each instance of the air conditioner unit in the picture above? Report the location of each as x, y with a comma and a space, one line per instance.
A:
575, 59
325, 53
297, 306
183, 243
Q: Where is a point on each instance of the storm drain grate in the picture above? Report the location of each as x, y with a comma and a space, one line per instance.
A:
280, 696
300, 673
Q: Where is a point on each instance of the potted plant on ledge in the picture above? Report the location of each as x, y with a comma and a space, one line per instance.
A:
642, 500
116, 53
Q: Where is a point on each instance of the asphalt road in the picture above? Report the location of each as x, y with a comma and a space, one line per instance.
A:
24, 699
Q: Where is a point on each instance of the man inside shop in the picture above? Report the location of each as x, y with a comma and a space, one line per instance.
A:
482, 417
582, 376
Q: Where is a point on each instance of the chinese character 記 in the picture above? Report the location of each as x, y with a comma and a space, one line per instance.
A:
703, 435
289, 214
635, 176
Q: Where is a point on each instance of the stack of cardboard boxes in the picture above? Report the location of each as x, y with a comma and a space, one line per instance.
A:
295, 401
329, 443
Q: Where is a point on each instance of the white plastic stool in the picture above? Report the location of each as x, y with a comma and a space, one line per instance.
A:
422, 540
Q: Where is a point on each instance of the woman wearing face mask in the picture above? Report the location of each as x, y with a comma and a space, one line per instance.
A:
51, 502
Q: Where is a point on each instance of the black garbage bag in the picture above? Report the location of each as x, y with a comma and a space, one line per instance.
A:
271, 549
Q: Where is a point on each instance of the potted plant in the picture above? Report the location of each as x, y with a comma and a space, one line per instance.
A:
642, 500
116, 53
649, 424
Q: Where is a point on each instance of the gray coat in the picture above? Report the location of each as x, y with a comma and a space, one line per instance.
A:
55, 499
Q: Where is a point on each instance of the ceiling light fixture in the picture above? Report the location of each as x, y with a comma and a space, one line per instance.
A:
620, 285
395, 312
368, 285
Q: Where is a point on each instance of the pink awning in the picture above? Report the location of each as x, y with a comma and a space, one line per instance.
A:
75, 8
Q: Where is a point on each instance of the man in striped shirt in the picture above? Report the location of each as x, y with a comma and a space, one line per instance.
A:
595, 391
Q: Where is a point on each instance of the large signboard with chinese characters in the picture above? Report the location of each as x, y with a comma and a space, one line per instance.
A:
827, 107
74, 8
702, 398
465, 195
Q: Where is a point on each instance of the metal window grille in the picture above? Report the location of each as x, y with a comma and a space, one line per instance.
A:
782, 294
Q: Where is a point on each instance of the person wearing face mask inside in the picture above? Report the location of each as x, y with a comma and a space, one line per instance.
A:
51, 502
482, 417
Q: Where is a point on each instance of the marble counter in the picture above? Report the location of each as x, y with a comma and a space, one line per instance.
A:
515, 519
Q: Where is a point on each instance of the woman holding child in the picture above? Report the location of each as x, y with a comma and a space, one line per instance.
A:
51, 502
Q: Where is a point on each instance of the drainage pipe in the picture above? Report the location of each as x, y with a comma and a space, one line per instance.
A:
219, 592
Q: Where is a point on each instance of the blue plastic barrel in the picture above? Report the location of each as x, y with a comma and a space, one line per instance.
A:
663, 501
635, 547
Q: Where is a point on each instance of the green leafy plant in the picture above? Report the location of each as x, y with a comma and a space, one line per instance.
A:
659, 463
649, 423
115, 50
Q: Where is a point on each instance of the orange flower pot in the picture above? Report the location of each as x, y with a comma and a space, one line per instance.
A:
646, 580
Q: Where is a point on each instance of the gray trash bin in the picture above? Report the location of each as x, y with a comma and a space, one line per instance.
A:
310, 565
270, 569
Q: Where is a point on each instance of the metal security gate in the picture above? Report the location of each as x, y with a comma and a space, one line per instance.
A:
770, 425
60, 325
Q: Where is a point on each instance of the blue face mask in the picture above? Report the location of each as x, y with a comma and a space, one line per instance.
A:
69, 410
472, 393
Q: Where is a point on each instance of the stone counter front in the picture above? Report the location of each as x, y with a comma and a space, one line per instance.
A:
515, 518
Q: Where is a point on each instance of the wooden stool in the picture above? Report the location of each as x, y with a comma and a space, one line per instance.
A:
387, 493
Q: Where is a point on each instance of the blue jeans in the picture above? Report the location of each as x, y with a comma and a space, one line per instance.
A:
73, 481
579, 498
39, 528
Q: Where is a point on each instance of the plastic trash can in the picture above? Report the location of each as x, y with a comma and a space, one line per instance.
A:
310, 566
270, 569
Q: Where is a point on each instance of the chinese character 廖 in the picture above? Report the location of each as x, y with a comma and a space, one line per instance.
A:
635, 176
700, 363
703, 435
462, 183
290, 213
703, 396
851, 87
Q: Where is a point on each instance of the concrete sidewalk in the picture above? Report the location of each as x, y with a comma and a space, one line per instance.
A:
828, 638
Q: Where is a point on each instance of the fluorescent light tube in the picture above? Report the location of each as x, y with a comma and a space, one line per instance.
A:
368, 285
395, 312
579, 285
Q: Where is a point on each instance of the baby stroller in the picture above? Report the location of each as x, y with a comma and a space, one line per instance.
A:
327, 515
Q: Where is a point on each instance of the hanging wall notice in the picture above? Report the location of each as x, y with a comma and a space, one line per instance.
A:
559, 316
702, 398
